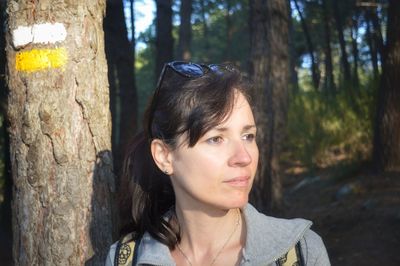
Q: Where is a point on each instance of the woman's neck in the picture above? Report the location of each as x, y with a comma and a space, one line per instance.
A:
209, 233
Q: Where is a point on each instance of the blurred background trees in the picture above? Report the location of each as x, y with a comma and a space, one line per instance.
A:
325, 75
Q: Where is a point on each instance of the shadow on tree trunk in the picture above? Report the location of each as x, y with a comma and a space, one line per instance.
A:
100, 227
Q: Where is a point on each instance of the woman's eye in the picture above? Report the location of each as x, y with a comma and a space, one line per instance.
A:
249, 137
215, 140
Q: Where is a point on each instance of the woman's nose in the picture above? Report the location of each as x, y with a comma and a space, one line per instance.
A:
240, 155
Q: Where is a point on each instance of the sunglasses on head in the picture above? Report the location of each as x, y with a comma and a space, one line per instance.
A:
191, 70
187, 70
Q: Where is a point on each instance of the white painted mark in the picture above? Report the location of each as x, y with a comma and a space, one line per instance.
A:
22, 35
44, 33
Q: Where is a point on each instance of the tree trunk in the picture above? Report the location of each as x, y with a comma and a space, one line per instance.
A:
185, 31
372, 46
205, 27
294, 80
310, 47
120, 59
377, 33
387, 125
339, 27
354, 44
269, 68
5, 176
329, 84
133, 41
164, 40
59, 133
229, 31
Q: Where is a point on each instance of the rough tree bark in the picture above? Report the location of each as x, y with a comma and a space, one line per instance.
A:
5, 206
185, 31
387, 125
59, 132
164, 40
269, 68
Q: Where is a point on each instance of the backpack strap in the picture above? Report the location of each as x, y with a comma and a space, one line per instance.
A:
294, 257
126, 250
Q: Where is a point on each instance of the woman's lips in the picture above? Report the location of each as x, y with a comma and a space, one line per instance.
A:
242, 181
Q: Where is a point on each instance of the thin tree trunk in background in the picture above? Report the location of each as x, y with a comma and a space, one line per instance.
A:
354, 36
386, 152
133, 40
164, 40
269, 68
329, 83
310, 47
377, 33
60, 134
121, 77
205, 27
185, 31
342, 42
294, 80
372, 45
229, 31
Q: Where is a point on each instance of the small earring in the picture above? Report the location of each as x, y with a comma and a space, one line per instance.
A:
166, 172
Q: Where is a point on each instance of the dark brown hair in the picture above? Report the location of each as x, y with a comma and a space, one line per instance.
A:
181, 105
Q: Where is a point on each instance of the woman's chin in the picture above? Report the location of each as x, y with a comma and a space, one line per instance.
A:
238, 202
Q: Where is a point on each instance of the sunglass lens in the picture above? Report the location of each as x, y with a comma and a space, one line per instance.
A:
215, 68
190, 70
219, 69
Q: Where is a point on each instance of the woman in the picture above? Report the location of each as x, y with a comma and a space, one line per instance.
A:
188, 177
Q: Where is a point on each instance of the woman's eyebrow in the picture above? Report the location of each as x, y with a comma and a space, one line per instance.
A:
221, 129
245, 128
248, 127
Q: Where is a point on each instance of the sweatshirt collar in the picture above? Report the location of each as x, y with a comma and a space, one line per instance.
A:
153, 252
269, 238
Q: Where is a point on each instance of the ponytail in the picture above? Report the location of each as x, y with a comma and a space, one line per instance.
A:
145, 195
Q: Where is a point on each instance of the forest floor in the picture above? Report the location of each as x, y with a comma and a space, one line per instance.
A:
357, 213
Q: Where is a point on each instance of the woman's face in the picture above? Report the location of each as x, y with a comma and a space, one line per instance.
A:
219, 170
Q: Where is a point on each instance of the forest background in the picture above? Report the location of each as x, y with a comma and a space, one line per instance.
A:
331, 115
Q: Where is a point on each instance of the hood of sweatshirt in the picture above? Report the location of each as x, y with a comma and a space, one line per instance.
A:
267, 239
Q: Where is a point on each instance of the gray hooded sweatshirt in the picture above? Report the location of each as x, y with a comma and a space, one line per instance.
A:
267, 239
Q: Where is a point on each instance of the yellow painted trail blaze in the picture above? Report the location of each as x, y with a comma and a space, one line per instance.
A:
40, 59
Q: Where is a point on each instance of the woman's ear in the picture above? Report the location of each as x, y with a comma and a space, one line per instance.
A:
162, 156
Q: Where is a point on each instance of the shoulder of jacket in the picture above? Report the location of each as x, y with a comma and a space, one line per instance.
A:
270, 238
314, 249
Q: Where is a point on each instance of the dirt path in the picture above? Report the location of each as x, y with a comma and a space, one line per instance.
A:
357, 215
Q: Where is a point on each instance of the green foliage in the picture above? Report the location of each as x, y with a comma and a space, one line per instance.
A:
215, 47
208, 50
322, 129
